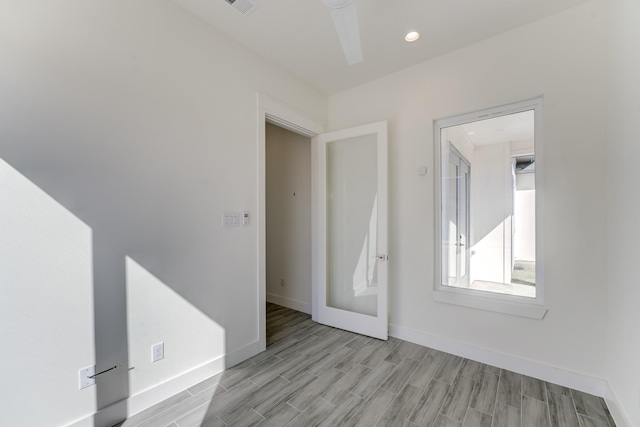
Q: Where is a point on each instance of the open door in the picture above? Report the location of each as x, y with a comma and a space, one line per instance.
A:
456, 216
352, 229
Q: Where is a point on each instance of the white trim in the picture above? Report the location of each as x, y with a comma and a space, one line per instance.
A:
137, 403
563, 377
288, 117
486, 301
145, 399
619, 415
242, 354
314, 228
108, 416
377, 325
289, 303
273, 111
500, 303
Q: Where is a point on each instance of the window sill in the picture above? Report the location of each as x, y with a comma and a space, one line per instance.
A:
487, 303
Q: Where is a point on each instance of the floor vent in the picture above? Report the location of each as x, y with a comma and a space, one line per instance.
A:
245, 7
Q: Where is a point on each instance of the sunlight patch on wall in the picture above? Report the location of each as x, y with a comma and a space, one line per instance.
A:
46, 306
156, 313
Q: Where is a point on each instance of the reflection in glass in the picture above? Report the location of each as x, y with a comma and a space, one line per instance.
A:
352, 224
488, 205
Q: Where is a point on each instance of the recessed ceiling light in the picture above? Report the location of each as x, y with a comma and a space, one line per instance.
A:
412, 36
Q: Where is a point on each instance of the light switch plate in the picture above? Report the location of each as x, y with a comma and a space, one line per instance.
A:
230, 219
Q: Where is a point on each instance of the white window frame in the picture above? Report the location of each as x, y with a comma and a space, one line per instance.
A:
491, 301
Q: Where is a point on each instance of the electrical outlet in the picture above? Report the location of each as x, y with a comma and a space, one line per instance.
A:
157, 352
282, 282
84, 375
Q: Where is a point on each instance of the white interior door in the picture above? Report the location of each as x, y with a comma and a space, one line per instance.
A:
456, 219
352, 229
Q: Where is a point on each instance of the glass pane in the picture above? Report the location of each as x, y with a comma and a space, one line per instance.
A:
488, 205
524, 218
463, 221
352, 225
452, 222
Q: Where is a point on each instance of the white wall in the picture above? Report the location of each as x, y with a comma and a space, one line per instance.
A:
524, 238
288, 194
623, 281
156, 313
491, 205
563, 58
456, 136
141, 121
46, 305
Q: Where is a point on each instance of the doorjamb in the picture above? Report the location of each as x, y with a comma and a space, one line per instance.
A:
273, 111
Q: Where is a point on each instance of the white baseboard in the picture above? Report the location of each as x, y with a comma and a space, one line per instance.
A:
585, 383
242, 354
618, 414
289, 303
108, 416
145, 399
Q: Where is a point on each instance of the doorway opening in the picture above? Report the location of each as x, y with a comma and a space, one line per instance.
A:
327, 150
288, 219
273, 112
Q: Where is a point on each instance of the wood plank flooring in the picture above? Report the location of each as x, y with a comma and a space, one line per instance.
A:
315, 375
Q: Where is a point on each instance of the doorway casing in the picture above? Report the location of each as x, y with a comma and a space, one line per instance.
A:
273, 111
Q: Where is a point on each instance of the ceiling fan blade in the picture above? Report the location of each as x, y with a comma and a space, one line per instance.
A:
345, 20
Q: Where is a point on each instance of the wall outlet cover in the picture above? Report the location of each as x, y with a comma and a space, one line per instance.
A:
84, 375
157, 352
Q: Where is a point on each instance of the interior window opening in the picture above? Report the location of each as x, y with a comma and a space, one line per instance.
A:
488, 205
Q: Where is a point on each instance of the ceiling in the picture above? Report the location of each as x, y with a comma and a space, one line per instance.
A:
499, 130
299, 35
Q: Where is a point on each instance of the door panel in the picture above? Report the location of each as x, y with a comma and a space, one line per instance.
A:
352, 215
456, 221
452, 222
464, 224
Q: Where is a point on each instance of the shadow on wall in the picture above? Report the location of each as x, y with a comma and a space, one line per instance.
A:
69, 299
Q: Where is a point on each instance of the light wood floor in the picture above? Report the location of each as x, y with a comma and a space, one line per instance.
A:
314, 375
